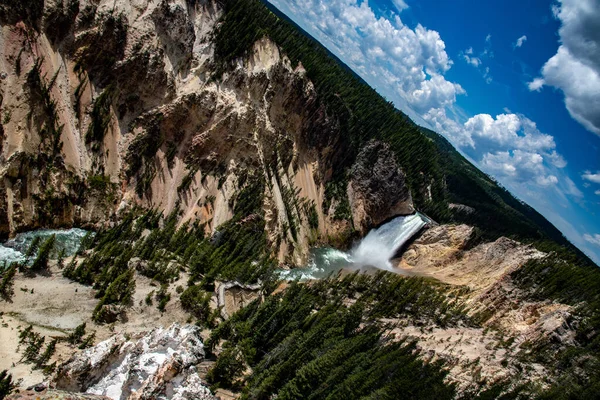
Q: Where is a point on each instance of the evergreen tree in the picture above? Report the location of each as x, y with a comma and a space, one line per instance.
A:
41, 361
7, 386
76, 336
7, 281
33, 247
41, 261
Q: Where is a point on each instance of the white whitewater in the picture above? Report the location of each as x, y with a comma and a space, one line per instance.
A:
68, 239
374, 250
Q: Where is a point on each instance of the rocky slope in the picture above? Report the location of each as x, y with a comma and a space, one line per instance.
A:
159, 365
124, 105
511, 323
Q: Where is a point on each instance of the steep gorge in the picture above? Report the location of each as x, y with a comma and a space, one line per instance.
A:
127, 106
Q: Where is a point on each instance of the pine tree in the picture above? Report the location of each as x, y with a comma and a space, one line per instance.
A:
7, 282
41, 362
33, 248
88, 341
7, 386
34, 342
61, 258
41, 261
76, 336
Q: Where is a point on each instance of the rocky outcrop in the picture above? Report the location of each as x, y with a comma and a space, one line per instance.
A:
232, 296
483, 277
377, 189
160, 365
440, 252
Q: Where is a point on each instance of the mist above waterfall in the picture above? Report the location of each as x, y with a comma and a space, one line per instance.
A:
374, 250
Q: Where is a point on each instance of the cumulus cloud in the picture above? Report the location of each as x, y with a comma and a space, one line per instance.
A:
521, 166
520, 41
575, 68
406, 65
509, 147
589, 176
593, 239
509, 131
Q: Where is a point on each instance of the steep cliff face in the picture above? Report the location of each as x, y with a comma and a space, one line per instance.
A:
377, 187
108, 105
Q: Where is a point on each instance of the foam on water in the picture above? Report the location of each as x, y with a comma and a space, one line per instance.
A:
68, 239
10, 255
374, 250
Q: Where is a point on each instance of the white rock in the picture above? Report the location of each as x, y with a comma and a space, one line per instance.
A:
159, 365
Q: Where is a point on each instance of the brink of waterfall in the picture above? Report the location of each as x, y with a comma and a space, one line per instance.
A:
375, 250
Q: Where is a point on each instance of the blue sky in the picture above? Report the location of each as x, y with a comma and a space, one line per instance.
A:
514, 85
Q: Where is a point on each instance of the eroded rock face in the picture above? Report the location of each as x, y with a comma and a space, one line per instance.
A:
145, 117
159, 365
377, 189
484, 274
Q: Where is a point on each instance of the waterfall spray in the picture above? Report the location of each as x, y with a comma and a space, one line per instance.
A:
374, 250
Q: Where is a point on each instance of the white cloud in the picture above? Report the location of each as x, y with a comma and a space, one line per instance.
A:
589, 176
520, 41
536, 85
406, 65
575, 68
520, 166
593, 239
557, 160
477, 61
435, 92
597, 192
511, 148
487, 76
400, 5
474, 61
509, 131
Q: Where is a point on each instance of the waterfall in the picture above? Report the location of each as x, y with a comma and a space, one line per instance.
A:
13, 249
381, 244
374, 250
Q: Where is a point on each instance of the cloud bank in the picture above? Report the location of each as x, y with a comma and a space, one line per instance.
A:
575, 68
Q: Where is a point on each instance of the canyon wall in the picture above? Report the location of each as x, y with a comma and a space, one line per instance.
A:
110, 105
